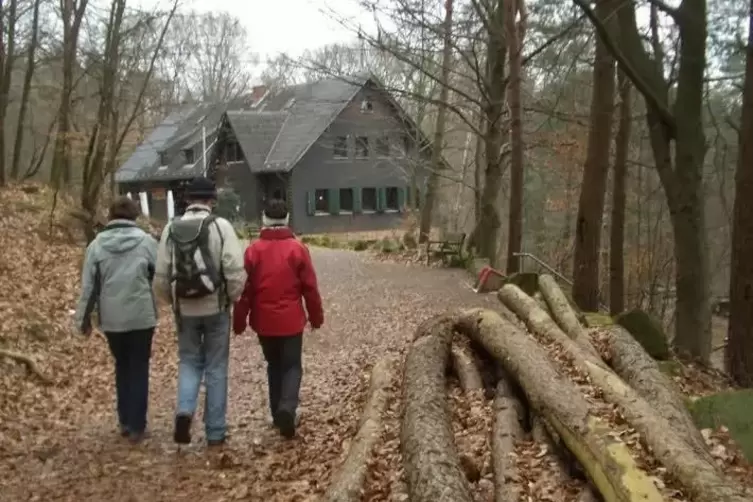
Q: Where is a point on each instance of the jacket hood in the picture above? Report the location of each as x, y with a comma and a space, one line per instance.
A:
120, 236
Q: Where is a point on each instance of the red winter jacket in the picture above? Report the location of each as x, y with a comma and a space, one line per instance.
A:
280, 275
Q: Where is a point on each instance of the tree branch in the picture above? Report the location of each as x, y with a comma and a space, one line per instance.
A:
639, 80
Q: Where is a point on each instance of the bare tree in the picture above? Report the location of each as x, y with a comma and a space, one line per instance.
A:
516, 32
72, 14
211, 56
739, 351
8, 20
617, 229
594, 185
108, 134
674, 126
437, 162
26, 91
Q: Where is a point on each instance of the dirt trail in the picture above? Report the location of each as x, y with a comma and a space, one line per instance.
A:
371, 308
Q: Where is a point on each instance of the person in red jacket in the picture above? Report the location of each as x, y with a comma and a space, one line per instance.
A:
280, 276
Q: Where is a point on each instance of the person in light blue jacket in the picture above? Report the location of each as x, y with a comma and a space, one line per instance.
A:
116, 281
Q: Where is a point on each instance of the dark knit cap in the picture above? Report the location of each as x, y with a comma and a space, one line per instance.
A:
201, 189
276, 209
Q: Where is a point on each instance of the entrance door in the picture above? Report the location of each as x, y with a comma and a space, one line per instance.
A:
275, 187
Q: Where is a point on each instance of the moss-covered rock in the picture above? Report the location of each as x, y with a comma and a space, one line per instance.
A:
597, 319
527, 281
670, 367
647, 331
734, 410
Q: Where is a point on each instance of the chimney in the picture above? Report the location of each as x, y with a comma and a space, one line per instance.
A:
258, 92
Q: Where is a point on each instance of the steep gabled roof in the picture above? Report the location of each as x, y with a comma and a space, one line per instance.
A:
256, 132
273, 137
311, 108
181, 129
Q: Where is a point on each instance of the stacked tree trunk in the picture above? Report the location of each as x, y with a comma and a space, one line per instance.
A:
553, 382
549, 364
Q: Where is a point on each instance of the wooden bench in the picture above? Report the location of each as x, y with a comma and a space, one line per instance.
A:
450, 246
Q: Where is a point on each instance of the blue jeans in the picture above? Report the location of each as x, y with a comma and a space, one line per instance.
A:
203, 350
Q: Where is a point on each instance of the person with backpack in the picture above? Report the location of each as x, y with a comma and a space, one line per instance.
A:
200, 271
280, 275
116, 281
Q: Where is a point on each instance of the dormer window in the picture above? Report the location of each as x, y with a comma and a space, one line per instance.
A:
163, 159
189, 155
367, 106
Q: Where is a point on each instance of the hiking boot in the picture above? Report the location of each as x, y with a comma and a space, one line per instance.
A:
182, 434
136, 437
214, 443
285, 421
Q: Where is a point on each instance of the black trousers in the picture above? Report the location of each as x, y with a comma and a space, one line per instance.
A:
284, 370
132, 351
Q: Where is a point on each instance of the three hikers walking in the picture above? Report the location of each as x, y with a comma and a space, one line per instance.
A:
199, 267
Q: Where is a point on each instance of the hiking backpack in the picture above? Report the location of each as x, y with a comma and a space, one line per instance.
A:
193, 274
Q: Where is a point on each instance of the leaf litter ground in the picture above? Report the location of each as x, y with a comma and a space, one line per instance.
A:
59, 441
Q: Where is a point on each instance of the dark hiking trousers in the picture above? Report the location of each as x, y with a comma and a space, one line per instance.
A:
284, 371
131, 351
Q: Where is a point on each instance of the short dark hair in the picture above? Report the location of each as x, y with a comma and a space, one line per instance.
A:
123, 208
276, 209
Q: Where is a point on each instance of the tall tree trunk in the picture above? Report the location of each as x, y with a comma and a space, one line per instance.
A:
595, 171
437, 161
680, 123
739, 352
688, 205
515, 36
24, 105
486, 233
7, 58
72, 12
617, 232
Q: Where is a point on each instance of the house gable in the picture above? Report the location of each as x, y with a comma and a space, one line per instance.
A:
375, 163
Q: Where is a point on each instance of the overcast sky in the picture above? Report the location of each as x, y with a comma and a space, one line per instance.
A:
290, 26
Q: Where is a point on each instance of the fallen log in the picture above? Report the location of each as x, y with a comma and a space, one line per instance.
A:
27, 361
607, 460
629, 360
567, 466
430, 457
638, 369
466, 370
506, 429
563, 313
348, 482
694, 469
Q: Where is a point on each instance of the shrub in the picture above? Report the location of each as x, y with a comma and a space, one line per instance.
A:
360, 245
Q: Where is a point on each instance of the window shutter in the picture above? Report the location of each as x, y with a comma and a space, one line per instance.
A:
381, 199
357, 204
401, 200
334, 200
310, 203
